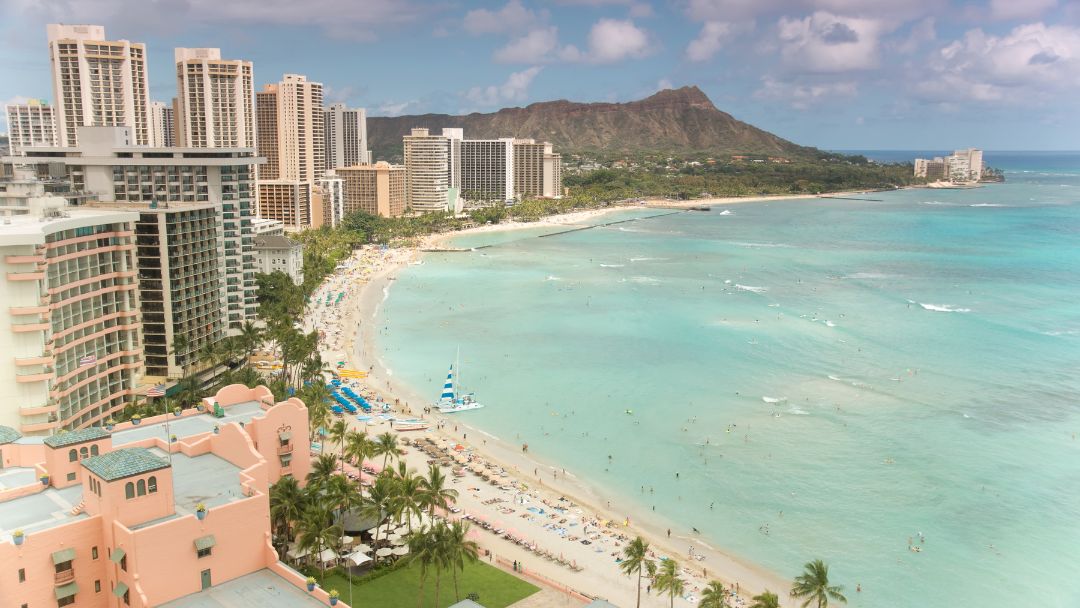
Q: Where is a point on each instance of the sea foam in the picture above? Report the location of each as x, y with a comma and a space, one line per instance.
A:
943, 308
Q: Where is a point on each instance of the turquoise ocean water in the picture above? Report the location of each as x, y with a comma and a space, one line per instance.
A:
885, 369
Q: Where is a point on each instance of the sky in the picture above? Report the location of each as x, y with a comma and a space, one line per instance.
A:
836, 74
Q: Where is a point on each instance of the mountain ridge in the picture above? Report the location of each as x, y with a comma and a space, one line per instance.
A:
672, 120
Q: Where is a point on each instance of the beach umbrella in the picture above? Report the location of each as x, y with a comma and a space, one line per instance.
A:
358, 558
345, 540
397, 542
384, 552
459, 448
402, 530
400, 551
363, 548
328, 555
294, 553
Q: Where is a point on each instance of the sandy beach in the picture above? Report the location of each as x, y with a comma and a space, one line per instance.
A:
527, 485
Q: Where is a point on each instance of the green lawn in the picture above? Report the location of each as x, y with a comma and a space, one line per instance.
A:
496, 588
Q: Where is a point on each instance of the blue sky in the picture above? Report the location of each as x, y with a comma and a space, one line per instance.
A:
838, 74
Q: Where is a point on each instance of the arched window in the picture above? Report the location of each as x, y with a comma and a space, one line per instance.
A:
129, 490
142, 487
83, 452
73, 455
93, 450
152, 484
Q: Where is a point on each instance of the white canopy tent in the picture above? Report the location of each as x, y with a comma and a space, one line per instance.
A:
357, 558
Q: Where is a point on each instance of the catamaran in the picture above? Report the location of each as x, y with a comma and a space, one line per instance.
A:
449, 402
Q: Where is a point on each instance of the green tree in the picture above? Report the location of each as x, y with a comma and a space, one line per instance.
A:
668, 580
812, 586
316, 532
714, 596
339, 432
635, 561
386, 446
433, 491
766, 599
459, 550
324, 468
287, 502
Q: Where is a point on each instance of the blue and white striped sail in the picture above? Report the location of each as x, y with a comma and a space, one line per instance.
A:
448, 388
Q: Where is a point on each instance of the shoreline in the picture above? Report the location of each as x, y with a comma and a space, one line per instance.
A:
361, 351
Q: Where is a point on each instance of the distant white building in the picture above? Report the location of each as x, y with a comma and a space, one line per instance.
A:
264, 227
162, 125
30, 124
278, 253
346, 136
960, 166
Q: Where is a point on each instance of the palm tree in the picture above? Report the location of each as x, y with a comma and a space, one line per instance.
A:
342, 494
339, 431
433, 490
316, 532
357, 448
287, 502
667, 579
459, 549
635, 560
812, 586
422, 551
377, 505
250, 337
406, 499
714, 596
324, 467
768, 599
386, 446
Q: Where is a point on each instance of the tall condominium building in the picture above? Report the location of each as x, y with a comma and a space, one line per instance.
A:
162, 124
553, 187
30, 124
215, 100
346, 136
427, 171
157, 514
70, 325
98, 82
106, 164
960, 166
290, 135
377, 189
487, 170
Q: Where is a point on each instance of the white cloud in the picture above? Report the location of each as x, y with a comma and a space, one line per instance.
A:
512, 17
1020, 9
663, 84
713, 36
347, 19
920, 34
515, 89
1029, 64
612, 40
824, 43
534, 47
803, 95
394, 108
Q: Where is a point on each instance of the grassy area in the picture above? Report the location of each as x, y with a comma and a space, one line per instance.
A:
495, 588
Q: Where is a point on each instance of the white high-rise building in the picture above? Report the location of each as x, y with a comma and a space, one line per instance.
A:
30, 124
346, 136
427, 171
214, 100
537, 169
162, 125
98, 82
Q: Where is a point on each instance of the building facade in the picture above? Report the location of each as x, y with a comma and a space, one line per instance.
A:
106, 165
289, 119
280, 254
346, 136
118, 523
378, 189
332, 190
71, 333
162, 125
487, 170
427, 171
214, 100
98, 82
30, 124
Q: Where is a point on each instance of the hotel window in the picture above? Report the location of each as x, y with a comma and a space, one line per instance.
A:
22, 575
152, 484
93, 553
97, 586
141, 485
84, 452
73, 455
93, 450
129, 490
66, 601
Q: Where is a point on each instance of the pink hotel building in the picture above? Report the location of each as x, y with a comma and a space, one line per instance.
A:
93, 518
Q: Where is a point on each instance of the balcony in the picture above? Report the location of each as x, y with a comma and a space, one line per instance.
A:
28, 310
26, 276
285, 449
28, 327
64, 577
25, 259
38, 377
25, 361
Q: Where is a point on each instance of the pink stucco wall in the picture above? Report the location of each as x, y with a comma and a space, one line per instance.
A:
35, 557
59, 464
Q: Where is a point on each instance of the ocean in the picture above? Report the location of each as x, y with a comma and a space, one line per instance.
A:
834, 379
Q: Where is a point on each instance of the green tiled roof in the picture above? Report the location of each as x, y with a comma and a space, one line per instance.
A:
71, 438
124, 462
8, 434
